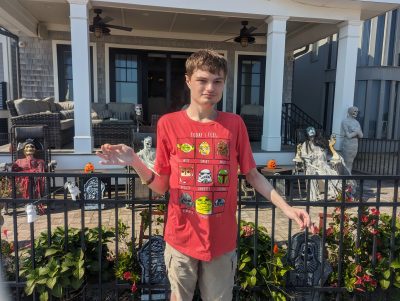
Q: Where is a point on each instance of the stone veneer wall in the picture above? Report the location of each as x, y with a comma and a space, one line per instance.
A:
37, 63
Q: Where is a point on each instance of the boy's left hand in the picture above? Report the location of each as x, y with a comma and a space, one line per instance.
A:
301, 217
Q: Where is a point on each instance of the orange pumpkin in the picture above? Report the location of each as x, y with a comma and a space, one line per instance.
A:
89, 168
271, 164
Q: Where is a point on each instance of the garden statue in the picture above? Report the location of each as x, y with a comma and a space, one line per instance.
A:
351, 133
29, 164
305, 257
147, 154
314, 154
138, 116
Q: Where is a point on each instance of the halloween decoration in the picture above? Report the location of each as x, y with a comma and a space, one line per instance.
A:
271, 164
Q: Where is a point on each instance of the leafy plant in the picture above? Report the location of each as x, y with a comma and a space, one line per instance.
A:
126, 266
62, 265
7, 262
267, 270
363, 273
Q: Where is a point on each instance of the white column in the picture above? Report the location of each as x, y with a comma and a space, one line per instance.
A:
271, 138
349, 35
83, 142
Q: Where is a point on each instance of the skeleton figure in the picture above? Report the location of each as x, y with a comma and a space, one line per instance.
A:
351, 129
147, 154
73, 189
204, 176
138, 115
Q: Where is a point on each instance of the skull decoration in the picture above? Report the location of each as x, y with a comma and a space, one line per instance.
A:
204, 176
139, 109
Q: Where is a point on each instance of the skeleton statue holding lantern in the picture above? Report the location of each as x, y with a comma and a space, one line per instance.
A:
29, 164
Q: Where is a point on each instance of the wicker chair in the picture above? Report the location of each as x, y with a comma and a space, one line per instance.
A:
60, 131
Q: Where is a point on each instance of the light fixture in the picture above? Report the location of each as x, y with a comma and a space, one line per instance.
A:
98, 32
245, 40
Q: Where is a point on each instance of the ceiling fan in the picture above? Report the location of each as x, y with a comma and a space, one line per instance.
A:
246, 35
101, 27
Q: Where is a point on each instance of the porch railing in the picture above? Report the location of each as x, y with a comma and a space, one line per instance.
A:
378, 156
364, 216
293, 119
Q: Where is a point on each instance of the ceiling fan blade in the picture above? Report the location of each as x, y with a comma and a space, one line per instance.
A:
106, 19
228, 39
250, 29
119, 27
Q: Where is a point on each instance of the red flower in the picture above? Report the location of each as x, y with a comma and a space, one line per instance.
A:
373, 231
364, 219
379, 256
374, 283
133, 287
375, 211
358, 269
127, 275
247, 231
315, 230
329, 231
359, 281
276, 249
5, 233
367, 278
373, 222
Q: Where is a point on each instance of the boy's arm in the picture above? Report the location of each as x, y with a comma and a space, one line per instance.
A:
160, 184
261, 184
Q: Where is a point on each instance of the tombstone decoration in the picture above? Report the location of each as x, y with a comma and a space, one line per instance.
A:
91, 192
306, 260
151, 259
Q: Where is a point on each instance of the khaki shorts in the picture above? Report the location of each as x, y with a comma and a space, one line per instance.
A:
216, 277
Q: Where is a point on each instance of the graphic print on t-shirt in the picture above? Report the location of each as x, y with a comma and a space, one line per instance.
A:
204, 174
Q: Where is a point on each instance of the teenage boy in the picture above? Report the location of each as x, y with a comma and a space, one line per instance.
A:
198, 154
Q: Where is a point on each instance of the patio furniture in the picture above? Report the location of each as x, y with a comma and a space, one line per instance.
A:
112, 132
58, 117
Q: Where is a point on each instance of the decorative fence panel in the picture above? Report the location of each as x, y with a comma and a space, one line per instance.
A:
378, 156
353, 255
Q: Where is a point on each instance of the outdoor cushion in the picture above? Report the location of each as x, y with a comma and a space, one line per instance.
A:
29, 106
65, 105
66, 124
121, 107
122, 115
50, 101
106, 114
98, 107
252, 110
67, 114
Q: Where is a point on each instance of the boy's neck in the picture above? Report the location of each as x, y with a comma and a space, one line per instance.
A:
201, 114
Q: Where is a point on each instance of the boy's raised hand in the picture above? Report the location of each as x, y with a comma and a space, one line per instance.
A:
118, 154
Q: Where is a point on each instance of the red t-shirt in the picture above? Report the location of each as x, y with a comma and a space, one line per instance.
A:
203, 160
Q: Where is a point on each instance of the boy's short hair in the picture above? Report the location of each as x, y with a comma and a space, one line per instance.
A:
206, 60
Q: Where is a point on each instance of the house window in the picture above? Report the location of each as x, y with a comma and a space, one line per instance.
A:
65, 81
124, 67
251, 81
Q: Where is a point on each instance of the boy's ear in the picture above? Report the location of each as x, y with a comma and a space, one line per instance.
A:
187, 80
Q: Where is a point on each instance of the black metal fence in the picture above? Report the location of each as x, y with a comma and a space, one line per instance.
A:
378, 156
70, 253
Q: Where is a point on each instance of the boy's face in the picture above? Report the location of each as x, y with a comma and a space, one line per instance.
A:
205, 88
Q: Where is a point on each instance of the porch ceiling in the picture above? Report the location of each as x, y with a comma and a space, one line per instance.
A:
22, 17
